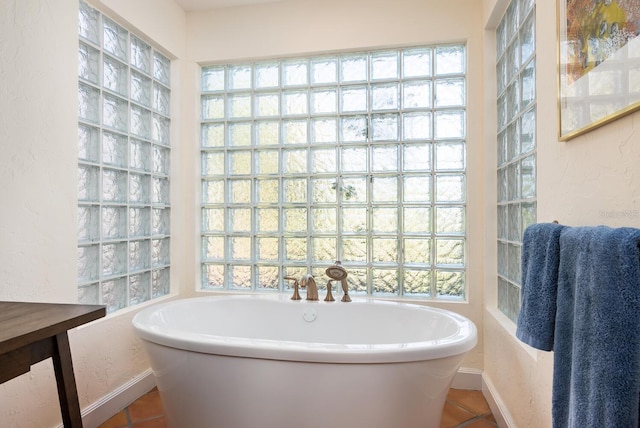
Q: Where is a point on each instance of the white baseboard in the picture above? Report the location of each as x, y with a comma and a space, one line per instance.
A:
467, 378
112, 403
497, 406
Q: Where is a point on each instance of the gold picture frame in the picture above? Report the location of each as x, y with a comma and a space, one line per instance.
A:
598, 63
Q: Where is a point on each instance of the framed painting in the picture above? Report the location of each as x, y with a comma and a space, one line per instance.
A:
598, 63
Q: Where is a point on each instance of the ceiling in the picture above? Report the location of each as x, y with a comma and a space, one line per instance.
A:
191, 5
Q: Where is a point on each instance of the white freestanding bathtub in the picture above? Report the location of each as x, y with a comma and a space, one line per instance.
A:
270, 362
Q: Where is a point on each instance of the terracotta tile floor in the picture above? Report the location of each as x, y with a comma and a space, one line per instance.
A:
467, 409
463, 408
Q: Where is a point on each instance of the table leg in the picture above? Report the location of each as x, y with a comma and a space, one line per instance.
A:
65, 379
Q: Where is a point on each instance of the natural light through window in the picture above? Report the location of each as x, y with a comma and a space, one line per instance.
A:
358, 157
516, 103
123, 165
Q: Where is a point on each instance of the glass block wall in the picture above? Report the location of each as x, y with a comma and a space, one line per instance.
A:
516, 145
123, 165
357, 157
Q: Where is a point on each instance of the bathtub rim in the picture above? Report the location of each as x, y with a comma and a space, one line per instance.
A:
462, 341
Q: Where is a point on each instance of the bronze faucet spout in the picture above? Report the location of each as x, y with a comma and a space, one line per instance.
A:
309, 283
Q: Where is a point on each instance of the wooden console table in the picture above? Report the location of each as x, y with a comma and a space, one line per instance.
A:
32, 332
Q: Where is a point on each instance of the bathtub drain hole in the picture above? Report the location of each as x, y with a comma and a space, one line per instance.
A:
309, 315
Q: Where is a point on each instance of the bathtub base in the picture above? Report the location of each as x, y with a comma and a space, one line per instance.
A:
205, 390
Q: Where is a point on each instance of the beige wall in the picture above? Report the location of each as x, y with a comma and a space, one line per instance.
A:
38, 176
306, 26
591, 180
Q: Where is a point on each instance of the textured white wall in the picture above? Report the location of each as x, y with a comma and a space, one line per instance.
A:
591, 180
37, 168
38, 193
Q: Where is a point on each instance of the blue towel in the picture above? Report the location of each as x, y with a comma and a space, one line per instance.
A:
596, 380
540, 264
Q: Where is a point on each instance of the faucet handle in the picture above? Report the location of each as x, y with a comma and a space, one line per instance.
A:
329, 297
296, 294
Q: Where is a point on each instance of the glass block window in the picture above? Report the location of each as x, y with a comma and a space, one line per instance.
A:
358, 157
516, 97
123, 165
